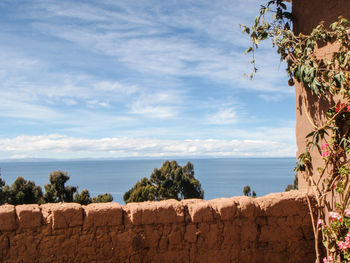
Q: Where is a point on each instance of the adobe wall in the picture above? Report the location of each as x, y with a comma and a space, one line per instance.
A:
307, 15
274, 228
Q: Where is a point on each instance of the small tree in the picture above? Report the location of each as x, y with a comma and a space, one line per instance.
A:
102, 198
83, 198
23, 192
56, 191
247, 191
3, 193
293, 186
171, 181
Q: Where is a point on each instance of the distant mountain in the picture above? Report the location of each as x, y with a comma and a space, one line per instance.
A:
15, 160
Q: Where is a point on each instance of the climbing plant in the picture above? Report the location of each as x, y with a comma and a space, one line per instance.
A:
326, 76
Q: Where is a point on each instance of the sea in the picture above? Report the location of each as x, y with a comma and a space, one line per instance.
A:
222, 177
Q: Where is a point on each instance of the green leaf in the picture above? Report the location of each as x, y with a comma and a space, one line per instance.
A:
248, 50
310, 134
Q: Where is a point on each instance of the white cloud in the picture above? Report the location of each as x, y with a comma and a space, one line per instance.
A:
140, 68
57, 145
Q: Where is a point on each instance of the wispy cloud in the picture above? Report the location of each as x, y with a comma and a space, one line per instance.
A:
157, 105
131, 71
151, 41
223, 116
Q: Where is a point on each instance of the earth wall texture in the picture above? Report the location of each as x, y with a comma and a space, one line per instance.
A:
274, 228
306, 16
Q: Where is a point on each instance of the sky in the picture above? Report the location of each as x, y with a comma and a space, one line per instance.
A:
120, 79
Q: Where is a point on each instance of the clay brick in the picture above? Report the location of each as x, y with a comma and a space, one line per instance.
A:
247, 207
225, 207
163, 212
63, 215
170, 211
103, 214
175, 238
191, 233
200, 212
132, 213
28, 216
272, 233
249, 232
7, 218
223, 230
149, 213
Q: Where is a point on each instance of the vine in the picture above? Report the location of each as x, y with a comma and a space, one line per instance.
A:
326, 76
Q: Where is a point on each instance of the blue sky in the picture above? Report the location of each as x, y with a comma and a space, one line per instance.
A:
115, 79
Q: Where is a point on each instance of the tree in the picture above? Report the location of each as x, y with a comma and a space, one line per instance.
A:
171, 181
56, 191
23, 192
293, 186
26, 192
102, 198
142, 191
248, 192
83, 198
3, 192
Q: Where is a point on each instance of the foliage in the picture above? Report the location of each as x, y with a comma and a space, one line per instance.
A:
171, 181
83, 198
142, 191
328, 78
26, 192
56, 190
248, 192
102, 198
3, 194
293, 186
23, 192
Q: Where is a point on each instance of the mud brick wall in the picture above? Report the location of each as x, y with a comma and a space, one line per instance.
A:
307, 15
274, 228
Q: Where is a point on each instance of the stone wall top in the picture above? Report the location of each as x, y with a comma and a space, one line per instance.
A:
66, 215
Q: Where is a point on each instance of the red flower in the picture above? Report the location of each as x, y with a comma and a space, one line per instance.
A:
340, 107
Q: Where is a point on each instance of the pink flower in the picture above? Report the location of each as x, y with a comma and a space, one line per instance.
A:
324, 146
319, 222
335, 216
347, 237
325, 154
328, 260
348, 108
343, 245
